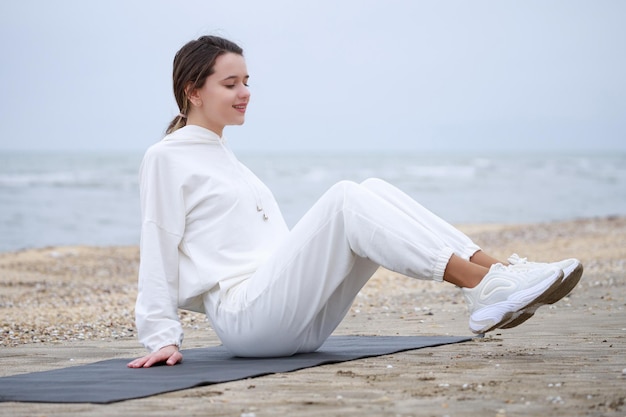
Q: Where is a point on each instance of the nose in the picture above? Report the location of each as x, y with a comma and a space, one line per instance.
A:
244, 92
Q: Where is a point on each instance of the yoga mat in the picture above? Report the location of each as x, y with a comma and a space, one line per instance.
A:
111, 381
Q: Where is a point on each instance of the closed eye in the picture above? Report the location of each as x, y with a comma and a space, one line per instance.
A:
235, 79
231, 86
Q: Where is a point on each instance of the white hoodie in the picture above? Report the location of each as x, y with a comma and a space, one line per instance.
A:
207, 220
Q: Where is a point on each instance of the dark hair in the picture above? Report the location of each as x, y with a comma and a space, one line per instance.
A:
193, 63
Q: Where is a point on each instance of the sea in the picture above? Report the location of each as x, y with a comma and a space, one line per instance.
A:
91, 198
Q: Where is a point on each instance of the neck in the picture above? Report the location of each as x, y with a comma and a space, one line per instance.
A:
195, 119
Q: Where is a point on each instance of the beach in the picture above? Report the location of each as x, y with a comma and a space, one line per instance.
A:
71, 305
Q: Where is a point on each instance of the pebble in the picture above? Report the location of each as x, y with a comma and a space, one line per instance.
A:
555, 400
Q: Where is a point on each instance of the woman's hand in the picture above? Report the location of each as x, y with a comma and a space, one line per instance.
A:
168, 354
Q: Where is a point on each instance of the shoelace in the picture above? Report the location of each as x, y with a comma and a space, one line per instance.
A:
515, 259
508, 268
501, 267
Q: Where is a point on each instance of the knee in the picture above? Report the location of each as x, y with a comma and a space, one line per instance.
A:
347, 194
377, 186
344, 184
338, 196
373, 183
340, 190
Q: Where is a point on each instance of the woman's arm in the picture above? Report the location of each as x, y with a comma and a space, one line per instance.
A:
163, 219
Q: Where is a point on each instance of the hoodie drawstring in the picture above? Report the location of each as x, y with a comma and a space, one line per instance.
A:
253, 188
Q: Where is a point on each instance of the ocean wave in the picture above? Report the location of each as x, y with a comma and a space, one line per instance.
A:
67, 179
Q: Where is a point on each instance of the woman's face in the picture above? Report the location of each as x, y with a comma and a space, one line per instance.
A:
224, 97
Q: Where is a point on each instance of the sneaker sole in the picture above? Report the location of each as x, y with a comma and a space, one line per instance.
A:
478, 326
567, 285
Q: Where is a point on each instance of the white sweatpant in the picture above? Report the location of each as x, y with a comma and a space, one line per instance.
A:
295, 300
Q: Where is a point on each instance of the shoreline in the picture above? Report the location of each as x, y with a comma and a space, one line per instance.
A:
73, 305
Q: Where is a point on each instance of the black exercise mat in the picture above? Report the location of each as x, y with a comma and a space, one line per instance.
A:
110, 380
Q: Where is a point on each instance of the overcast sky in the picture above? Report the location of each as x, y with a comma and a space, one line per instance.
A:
325, 74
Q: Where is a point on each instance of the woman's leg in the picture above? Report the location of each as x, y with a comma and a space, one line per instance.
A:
297, 297
294, 301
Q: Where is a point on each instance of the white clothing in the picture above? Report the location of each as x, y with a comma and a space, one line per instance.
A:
200, 228
268, 291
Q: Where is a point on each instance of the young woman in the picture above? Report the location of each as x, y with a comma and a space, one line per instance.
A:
214, 240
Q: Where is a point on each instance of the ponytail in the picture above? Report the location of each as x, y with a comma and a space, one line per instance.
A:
179, 121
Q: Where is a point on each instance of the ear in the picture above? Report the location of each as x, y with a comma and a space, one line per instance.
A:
192, 94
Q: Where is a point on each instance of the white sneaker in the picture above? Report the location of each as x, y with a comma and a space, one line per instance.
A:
505, 292
572, 272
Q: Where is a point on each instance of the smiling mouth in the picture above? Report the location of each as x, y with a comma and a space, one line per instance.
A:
240, 107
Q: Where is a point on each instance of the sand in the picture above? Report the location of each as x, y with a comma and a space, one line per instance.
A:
71, 305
